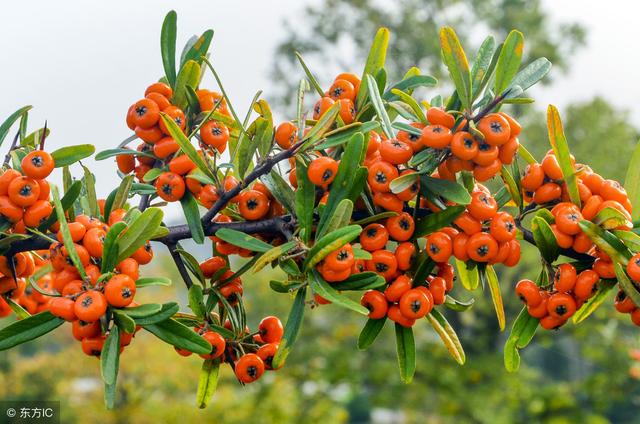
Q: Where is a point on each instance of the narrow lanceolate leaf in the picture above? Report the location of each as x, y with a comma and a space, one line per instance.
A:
561, 150
280, 189
626, 284
450, 190
90, 190
349, 181
192, 216
6, 125
166, 311
458, 305
189, 76
20, 312
240, 239
511, 185
629, 238
273, 254
416, 111
168, 46
66, 233
341, 216
532, 73
632, 182
305, 199
185, 144
312, 79
481, 66
142, 311
370, 332
610, 218
447, 335
406, 351
199, 48
139, 232
291, 328
196, 301
457, 64
522, 332
180, 336
67, 202
469, 276
361, 281
28, 329
325, 290
207, 382
544, 238
607, 242
68, 155
437, 220
322, 126
110, 248
375, 62
494, 288
378, 105
153, 281
508, 61
601, 294
329, 243
110, 357
343, 134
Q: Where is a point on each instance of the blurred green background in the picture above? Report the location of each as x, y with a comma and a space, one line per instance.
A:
578, 374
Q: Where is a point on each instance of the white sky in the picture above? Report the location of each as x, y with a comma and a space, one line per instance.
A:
81, 64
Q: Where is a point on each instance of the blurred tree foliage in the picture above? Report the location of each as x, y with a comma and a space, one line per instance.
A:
326, 27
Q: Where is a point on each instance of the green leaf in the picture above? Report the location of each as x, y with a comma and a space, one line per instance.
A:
189, 76
196, 301
325, 290
481, 69
416, 110
450, 190
341, 216
406, 351
192, 216
68, 155
185, 145
167, 311
8, 123
447, 335
494, 288
522, 332
28, 329
243, 240
312, 79
629, 238
375, 61
370, 332
178, 335
207, 382
139, 232
33, 139
601, 294
66, 234
109, 153
142, 311
469, 277
632, 182
360, 281
610, 218
110, 357
376, 100
435, 221
458, 305
168, 47
408, 84
199, 48
111, 248
305, 198
343, 134
90, 190
280, 189
291, 329
561, 150
508, 61
607, 242
511, 185
349, 181
322, 126
457, 64
626, 284
532, 73
329, 243
20, 312
544, 238
273, 254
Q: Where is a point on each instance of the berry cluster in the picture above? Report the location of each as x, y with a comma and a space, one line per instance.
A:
404, 300
482, 234
555, 304
13, 281
24, 193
